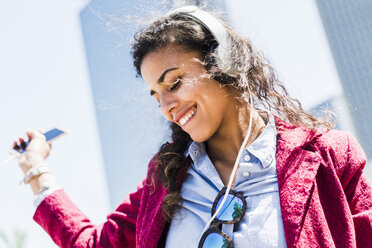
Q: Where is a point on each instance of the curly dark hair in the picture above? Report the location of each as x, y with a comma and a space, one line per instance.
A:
255, 75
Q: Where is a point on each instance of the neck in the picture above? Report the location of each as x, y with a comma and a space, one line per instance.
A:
224, 146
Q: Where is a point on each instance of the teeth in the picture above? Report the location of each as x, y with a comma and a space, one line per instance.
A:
184, 119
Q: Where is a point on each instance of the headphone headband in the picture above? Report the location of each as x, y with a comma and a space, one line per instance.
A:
217, 29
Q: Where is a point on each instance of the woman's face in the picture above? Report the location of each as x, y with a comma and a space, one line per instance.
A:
201, 106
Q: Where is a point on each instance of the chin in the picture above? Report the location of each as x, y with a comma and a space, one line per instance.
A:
199, 137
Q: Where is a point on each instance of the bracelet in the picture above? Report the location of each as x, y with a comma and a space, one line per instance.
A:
34, 172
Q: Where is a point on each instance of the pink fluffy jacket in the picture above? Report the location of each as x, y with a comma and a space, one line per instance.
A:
325, 200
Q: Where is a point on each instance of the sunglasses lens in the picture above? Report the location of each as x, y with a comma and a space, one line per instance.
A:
215, 240
232, 208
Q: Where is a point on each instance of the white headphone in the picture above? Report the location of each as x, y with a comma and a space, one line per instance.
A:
219, 32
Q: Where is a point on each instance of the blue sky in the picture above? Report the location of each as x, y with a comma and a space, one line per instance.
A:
44, 82
291, 35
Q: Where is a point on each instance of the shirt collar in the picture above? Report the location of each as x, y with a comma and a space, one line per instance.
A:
264, 147
196, 151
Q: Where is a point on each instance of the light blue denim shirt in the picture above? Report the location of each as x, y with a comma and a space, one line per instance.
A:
262, 224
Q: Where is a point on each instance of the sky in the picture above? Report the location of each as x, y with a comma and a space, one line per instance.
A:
44, 82
291, 35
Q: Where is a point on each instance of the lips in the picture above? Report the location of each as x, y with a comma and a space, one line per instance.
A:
183, 116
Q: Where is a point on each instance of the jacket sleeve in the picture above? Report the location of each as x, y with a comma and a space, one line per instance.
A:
358, 192
69, 227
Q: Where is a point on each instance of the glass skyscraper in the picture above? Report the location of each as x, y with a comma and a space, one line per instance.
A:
348, 28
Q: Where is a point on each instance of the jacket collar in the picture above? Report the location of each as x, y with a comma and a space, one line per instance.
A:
297, 166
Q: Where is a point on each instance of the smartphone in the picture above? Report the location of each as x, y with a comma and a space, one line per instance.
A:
49, 135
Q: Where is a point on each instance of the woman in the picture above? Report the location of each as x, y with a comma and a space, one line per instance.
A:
242, 151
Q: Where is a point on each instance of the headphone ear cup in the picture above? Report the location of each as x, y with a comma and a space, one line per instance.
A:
211, 66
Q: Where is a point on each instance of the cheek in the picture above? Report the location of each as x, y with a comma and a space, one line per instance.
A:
188, 91
195, 87
190, 83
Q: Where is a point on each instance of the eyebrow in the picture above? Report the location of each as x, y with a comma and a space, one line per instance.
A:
161, 78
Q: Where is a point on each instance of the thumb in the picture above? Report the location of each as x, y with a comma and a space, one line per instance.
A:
33, 133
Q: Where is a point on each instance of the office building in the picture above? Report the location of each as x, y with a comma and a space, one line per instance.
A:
348, 28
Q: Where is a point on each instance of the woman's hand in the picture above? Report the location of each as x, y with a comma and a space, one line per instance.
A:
36, 152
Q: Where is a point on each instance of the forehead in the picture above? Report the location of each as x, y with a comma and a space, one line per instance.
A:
156, 62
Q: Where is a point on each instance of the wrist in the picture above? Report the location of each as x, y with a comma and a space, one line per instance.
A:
42, 182
30, 160
35, 172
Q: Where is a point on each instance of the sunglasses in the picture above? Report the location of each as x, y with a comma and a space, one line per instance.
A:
232, 212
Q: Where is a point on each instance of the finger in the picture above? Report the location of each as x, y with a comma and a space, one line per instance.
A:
16, 146
28, 133
42, 131
33, 133
16, 141
23, 143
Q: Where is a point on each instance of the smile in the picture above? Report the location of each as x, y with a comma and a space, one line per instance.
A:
187, 116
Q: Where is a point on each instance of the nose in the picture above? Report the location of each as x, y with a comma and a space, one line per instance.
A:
168, 102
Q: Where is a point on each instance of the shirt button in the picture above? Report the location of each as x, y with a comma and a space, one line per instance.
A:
247, 157
245, 173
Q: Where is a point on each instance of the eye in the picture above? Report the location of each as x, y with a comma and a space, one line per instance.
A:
175, 84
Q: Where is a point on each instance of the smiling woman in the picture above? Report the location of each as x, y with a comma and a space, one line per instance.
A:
247, 166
